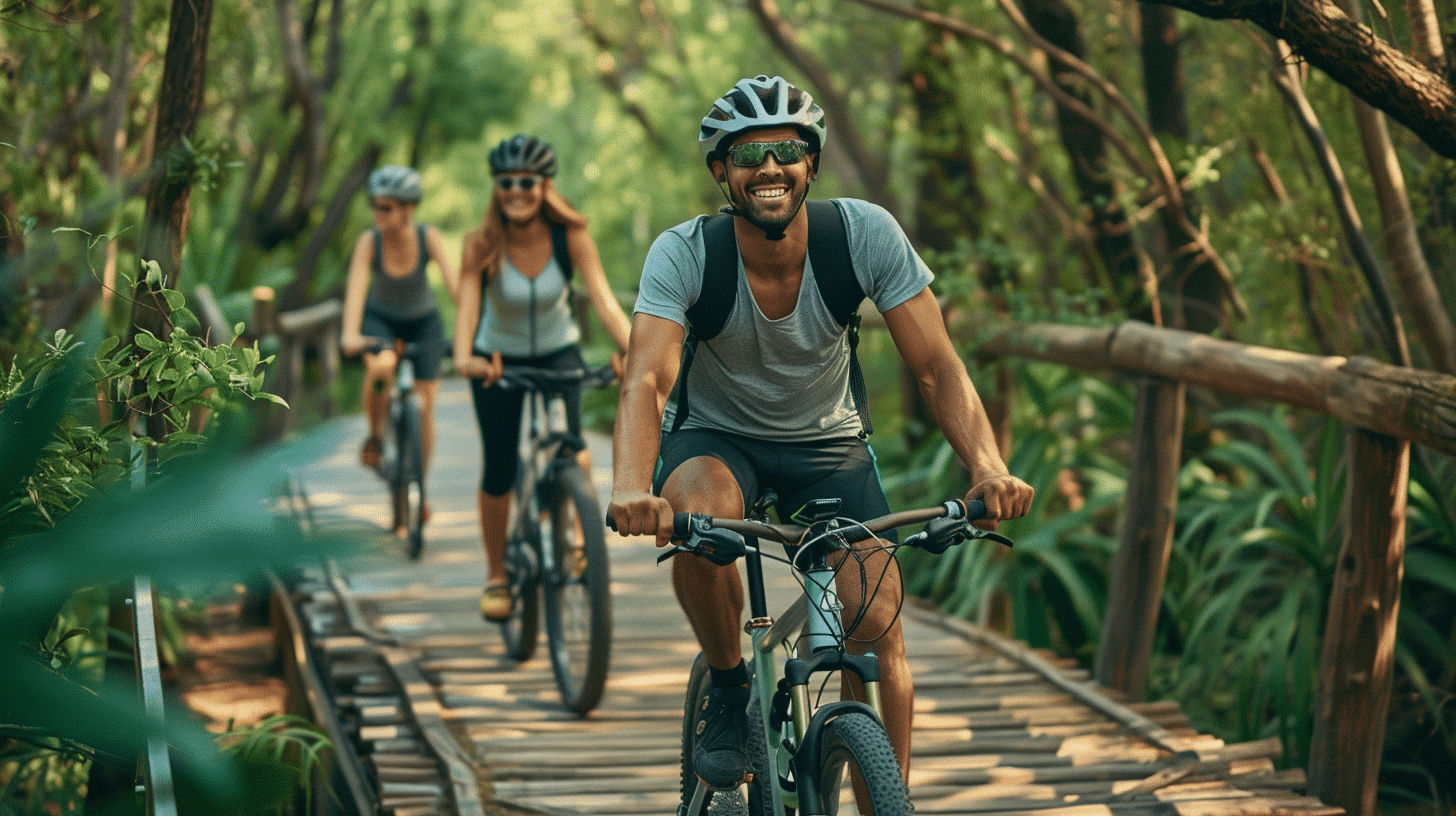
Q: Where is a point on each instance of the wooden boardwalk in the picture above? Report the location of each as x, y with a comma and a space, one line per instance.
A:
998, 728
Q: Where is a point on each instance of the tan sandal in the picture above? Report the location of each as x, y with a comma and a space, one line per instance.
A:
370, 453
495, 603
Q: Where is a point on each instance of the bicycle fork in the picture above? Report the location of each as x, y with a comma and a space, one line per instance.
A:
792, 754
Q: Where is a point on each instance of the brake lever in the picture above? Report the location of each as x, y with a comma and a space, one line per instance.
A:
996, 537
673, 550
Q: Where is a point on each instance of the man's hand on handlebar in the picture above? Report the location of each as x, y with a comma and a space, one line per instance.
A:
641, 514
1005, 496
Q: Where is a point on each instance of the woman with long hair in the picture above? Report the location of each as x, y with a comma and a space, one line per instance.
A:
515, 307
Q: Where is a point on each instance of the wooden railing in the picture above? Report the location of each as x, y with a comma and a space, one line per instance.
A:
1387, 407
293, 336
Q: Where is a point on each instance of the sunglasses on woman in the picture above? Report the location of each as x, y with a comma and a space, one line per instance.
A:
752, 154
507, 183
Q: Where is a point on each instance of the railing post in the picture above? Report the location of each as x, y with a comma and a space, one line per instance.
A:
1135, 587
1357, 660
156, 762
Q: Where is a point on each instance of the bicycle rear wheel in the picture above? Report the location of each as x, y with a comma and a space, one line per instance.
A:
855, 741
758, 801
577, 590
408, 484
522, 629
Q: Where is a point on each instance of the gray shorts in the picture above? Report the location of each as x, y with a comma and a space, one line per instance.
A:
799, 472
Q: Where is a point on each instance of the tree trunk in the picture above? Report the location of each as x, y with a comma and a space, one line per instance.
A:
1055, 21
1191, 280
1426, 42
1388, 325
164, 224
1402, 246
864, 169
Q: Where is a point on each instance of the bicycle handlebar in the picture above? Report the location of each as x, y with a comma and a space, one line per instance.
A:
531, 378
378, 344
721, 540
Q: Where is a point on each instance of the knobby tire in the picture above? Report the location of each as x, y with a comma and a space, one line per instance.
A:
409, 478
855, 740
522, 629
578, 601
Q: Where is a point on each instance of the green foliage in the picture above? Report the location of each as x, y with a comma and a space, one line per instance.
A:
70, 526
1055, 576
279, 756
1248, 587
180, 378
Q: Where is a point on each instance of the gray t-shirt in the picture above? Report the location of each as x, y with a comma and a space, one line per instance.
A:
785, 379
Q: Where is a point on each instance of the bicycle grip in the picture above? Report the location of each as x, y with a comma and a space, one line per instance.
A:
975, 510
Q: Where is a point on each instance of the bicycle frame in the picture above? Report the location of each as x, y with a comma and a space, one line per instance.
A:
790, 706
544, 440
797, 732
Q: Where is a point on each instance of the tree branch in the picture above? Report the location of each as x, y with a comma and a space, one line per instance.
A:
1351, 54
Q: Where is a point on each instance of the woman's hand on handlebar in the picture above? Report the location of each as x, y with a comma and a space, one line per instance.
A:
353, 344
477, 367
1005, 496
641, 514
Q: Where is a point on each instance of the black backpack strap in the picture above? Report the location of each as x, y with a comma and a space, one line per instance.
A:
840, 290
559, 248
715, 300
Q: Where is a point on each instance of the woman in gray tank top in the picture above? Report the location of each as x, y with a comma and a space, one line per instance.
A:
388, 296
515, 307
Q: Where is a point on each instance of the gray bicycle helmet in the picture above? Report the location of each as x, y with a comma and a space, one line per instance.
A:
754, 104
396, 182
523, 154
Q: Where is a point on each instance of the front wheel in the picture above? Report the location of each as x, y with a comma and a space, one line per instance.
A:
577, 590
408, 483
521, 630
855, 743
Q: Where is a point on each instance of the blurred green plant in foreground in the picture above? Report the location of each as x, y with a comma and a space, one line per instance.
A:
76, 519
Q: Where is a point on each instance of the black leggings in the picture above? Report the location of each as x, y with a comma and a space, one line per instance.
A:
498, 414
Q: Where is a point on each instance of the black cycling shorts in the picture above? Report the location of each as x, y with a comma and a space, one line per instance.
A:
498, 414
427, 331
799, 472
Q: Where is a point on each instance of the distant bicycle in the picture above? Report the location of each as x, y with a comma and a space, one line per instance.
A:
802, 754
402, 459
556, 546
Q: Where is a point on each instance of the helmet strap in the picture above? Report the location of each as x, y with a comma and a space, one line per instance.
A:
772, 232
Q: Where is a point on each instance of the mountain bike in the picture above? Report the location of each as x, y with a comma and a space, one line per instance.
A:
402, 457
556, 546
799, 750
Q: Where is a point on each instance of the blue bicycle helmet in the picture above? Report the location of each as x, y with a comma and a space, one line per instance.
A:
523, 154
754, 104
396, 182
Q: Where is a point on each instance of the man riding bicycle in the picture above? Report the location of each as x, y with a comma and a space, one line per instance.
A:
770, 400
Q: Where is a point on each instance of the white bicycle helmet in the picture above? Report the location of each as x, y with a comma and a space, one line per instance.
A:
754, 104
523, 154
396, 182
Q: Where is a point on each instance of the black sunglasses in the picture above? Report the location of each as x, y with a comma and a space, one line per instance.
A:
506, 183
382, 206
752, 154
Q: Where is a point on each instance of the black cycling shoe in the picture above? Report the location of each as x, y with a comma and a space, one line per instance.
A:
720, 755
